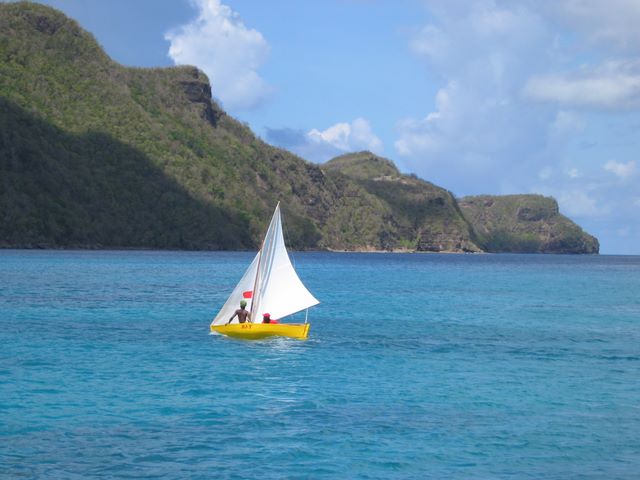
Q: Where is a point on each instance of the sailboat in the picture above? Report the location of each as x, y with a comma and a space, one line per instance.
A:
270, 285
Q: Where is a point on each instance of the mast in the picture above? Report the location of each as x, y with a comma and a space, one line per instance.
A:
256, 284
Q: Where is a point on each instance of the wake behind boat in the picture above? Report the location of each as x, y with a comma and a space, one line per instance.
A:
269, 286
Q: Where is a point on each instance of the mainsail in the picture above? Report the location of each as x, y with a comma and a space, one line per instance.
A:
270, 284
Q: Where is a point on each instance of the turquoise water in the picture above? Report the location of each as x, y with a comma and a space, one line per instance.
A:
417, 366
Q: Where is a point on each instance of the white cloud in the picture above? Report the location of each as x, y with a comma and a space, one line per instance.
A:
532, 96
579, 203
320, 146
621, 170
490, 21
430, 41
483, 50
612, 85
424, 136
219, 43
472, 126
566, 123
348, 137
612, 22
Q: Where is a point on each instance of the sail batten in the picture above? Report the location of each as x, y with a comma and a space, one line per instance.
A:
275, 285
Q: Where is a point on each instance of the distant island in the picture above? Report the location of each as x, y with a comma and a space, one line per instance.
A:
97, 155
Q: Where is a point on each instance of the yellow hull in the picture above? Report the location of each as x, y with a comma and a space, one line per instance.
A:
256, 331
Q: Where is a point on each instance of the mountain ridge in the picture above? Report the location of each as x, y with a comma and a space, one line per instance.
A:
427, 215
97, 155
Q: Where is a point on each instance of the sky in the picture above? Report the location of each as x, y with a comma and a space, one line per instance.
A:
477, 96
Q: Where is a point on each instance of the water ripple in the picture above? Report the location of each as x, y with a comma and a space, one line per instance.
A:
417, 367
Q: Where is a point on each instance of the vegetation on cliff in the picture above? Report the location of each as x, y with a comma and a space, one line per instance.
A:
524, 223
424, 217
88, 147
95, 154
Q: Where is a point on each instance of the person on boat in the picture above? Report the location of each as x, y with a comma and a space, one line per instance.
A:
242, 314
266, 318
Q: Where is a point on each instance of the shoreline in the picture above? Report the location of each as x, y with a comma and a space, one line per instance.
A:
325, 250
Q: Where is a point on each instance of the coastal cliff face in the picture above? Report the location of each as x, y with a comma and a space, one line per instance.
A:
423, 216
94, 154
524, 223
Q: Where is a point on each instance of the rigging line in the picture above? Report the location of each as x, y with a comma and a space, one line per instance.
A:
256, 282
287, 241
255, 285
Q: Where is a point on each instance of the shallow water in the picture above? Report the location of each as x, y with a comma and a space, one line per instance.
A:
417, 366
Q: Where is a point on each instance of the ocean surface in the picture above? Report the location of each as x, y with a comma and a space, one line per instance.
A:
417, 366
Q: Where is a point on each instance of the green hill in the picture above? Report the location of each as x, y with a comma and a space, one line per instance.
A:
115, 144
425, 217
94, 154
524, 223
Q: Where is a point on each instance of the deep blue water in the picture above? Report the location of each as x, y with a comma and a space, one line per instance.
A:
417, 366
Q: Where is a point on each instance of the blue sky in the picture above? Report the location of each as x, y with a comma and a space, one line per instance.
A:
478, 96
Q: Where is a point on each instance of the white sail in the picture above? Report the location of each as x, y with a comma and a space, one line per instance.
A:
278, 289
243, 291
270, 284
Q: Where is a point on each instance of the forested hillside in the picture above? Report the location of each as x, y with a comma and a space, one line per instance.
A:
524, 223
426, 216
97, 155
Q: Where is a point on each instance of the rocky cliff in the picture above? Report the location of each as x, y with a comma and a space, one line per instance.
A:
423, 216
95, 154
524, 223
